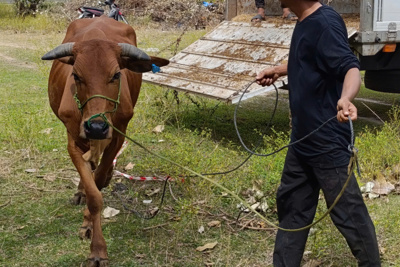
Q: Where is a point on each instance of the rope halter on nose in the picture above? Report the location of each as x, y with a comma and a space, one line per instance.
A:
101, 114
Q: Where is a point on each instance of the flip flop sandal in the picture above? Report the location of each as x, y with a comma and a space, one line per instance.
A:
291, 16
257, 18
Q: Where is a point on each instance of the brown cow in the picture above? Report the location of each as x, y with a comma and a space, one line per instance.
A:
95, 81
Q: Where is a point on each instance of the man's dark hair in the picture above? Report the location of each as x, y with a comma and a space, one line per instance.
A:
284, 6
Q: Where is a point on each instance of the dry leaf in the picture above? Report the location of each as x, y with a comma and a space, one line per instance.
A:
175, 218
313, 263
49, 177
368, 187
372, 195
201, 229
140, 256
129, 166
110, 212
207, 246
382, 250
30, 170
158, 129
75, 180
46, 131
257, 189
147, 201
151, 192
214, 224
382, 188
260, 206
153, 211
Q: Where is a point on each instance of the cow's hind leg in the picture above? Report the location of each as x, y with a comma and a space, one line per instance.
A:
86, 230
79, 197
104, 171
97, 262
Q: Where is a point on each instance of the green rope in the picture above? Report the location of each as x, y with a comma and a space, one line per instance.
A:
352, 164
115, 101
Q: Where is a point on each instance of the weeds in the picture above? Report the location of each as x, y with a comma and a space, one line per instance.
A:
39, 24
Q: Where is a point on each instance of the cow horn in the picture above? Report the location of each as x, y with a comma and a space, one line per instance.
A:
133, 52
60, 51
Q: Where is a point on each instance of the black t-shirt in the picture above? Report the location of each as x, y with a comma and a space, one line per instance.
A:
318, 62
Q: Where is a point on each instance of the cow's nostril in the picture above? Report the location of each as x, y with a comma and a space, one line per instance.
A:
96, 129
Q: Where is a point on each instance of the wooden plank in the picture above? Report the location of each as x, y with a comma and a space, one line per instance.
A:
225, 61
230, 9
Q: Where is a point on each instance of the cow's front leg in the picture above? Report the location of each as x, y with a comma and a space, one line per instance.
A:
94, 200
96, 148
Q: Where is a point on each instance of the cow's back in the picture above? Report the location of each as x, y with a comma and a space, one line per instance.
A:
80, 30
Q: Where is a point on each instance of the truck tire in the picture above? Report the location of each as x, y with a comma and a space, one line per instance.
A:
383, 80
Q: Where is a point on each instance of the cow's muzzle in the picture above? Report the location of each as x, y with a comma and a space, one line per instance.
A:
96, 129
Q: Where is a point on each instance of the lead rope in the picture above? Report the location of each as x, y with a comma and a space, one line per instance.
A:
82, 105
352, 163
351, 168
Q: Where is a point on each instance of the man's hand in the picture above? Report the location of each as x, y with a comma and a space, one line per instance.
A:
345, 108
268, 76
351, 86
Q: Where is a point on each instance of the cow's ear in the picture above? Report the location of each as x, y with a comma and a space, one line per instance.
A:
141, 66
67, 60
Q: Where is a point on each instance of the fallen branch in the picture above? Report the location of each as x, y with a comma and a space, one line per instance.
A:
373, 112
170, 191
155, 226
5, 204
41, 189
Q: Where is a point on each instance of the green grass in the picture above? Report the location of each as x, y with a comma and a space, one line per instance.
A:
39, 227
39, 24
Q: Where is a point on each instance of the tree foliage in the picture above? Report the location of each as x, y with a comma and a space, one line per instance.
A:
27, 7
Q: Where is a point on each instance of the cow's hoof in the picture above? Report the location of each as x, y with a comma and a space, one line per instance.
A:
79, 199
86, 232
97, 262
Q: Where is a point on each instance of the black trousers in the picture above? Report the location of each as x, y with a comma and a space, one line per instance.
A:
297, 200
260, 3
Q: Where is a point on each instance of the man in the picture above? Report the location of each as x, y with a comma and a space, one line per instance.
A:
260, 4
324, 78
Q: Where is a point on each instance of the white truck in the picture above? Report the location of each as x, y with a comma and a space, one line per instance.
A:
225, 61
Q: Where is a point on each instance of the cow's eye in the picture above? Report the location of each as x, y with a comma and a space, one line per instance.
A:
76, 77
116, 76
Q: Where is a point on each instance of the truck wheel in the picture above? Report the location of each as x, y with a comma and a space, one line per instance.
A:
383, 80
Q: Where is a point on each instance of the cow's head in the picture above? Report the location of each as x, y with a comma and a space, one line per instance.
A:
97, 79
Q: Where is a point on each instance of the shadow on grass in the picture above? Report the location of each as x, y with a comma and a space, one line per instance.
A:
253, 115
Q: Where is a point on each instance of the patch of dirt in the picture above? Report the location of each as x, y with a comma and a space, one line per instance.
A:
16, 62
14, 45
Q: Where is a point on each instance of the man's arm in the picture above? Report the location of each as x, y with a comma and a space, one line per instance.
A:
351, 87
268, 76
